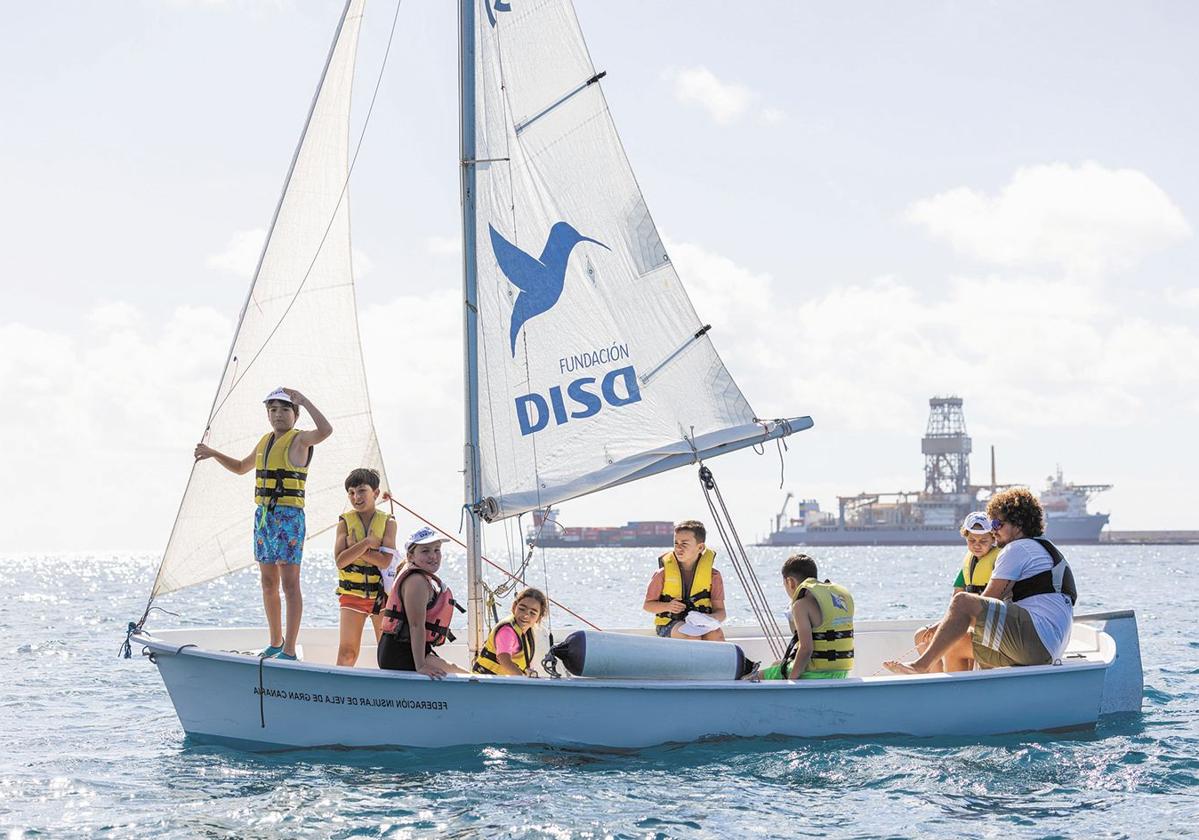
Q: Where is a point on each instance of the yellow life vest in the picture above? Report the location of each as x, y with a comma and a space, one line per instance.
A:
832, 640
978, 574
361, 578
488, 660
277, 481
700, 597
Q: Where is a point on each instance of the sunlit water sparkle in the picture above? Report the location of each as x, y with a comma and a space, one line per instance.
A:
91, 745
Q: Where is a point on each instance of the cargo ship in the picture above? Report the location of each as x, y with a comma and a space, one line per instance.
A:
547, 533
932, 516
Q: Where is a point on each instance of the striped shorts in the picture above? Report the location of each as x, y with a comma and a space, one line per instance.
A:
1004, 635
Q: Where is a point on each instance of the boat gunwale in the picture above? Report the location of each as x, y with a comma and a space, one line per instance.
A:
1064, 665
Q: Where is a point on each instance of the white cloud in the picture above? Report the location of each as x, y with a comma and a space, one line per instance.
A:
725, 102
363, 264
126, 398
1086, 219
773, 116
241, 253
1184, 298
114, 316
413, 350
444, 245
867, 355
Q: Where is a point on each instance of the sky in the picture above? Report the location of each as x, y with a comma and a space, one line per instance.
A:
872, 204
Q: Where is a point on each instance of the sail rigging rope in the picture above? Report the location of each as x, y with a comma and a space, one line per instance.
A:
395, 503
741, 564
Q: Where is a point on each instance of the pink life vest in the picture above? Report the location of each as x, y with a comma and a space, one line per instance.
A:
438, 611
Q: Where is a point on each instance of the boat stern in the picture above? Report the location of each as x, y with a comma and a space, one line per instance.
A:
1123, 685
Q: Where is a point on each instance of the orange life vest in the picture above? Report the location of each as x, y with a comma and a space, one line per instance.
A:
438, 611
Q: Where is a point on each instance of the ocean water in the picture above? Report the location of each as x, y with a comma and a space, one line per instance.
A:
90, 745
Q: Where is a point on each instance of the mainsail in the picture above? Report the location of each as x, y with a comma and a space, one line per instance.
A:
299, 329
594, 368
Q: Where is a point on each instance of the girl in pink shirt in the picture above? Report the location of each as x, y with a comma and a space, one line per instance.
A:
511, 648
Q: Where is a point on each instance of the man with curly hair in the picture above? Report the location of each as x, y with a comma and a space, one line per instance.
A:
1024, 615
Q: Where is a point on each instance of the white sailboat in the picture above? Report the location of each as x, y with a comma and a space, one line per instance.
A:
586, 367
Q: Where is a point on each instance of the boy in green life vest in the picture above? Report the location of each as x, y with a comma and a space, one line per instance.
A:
822, 618
364, 550
280, 462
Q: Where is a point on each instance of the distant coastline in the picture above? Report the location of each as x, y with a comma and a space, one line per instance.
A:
1150, 537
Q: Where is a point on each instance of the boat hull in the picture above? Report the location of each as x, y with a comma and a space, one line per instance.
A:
239, 699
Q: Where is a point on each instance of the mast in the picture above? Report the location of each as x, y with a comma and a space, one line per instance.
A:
470, 316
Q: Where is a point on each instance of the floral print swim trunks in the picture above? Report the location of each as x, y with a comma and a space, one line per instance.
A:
279, 534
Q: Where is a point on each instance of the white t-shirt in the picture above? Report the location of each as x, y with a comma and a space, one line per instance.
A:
1052, 613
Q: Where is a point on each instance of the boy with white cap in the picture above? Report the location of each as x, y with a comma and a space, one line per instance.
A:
973, 577
280, 460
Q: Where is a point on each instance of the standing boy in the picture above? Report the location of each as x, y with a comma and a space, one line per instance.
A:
280, 461
364, 547
686, 583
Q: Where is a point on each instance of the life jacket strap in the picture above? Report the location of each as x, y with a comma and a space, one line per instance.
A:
832, 655
441, 634
832, 635
279, 475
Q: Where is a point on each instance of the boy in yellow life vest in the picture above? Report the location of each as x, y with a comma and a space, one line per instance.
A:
280, 461
687, 584
363, 550
982, 551
822, 618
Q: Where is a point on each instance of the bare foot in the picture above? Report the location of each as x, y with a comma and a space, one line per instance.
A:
897, 667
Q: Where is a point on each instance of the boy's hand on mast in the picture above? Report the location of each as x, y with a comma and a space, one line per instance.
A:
202, 452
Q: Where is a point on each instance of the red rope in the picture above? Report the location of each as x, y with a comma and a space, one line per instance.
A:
501, 569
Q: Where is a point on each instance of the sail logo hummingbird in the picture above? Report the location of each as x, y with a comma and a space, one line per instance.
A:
539, 280
500, 6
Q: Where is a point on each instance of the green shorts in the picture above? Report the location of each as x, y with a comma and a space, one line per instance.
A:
775, 672
1004, 635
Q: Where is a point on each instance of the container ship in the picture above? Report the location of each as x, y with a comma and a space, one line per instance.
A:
933, 515
547, 533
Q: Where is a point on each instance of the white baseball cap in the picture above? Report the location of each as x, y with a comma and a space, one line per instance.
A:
281, 395
977, 523
423, 536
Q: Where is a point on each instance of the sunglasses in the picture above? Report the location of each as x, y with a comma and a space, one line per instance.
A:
996, 524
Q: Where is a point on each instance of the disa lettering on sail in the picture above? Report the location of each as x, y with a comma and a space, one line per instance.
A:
584, 397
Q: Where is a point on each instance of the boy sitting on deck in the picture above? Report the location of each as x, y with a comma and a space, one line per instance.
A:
822, 618
687, 569
280, 461
363, 548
